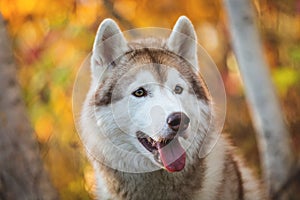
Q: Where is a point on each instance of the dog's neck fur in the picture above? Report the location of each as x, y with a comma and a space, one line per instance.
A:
153, 185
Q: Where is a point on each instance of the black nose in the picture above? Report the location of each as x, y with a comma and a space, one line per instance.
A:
178, 121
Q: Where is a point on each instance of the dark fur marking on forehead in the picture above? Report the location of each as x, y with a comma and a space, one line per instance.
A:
155, 56
151, 57
156, 62
185, 69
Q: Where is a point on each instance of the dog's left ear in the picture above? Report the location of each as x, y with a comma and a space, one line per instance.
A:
183, 41
109, 45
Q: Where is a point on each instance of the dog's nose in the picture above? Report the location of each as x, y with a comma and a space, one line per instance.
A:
178, 121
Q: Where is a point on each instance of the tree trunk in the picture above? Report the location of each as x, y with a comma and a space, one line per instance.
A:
272, 134
22, 174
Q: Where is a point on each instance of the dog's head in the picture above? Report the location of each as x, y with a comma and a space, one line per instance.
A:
148, 105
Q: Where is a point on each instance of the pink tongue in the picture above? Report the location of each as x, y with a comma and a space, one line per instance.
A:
172, 155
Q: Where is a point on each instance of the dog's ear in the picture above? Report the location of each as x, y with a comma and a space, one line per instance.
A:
183, 40
109, 45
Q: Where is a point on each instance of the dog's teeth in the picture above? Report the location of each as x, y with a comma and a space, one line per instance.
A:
157, 156
165, 141
159, 159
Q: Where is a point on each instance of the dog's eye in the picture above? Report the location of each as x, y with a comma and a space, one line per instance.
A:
141, 92
178, 89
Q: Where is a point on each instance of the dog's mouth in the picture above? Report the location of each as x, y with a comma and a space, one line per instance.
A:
167, 152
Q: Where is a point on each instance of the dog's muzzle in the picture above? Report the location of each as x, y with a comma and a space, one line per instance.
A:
167, 150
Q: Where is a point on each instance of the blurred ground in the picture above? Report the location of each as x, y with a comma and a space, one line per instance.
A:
52, 38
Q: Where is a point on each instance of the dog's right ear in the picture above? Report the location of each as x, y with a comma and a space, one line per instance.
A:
183, 41
109, 44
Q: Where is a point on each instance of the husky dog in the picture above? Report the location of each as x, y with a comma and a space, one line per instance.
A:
147, 117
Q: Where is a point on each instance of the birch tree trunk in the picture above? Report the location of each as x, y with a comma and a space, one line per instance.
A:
272, 134
22, 174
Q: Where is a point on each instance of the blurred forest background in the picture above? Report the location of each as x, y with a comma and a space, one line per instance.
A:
51, 39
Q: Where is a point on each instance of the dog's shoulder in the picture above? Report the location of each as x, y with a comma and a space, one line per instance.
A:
227, 177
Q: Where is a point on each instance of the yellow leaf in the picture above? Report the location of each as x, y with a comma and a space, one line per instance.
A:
44, 127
